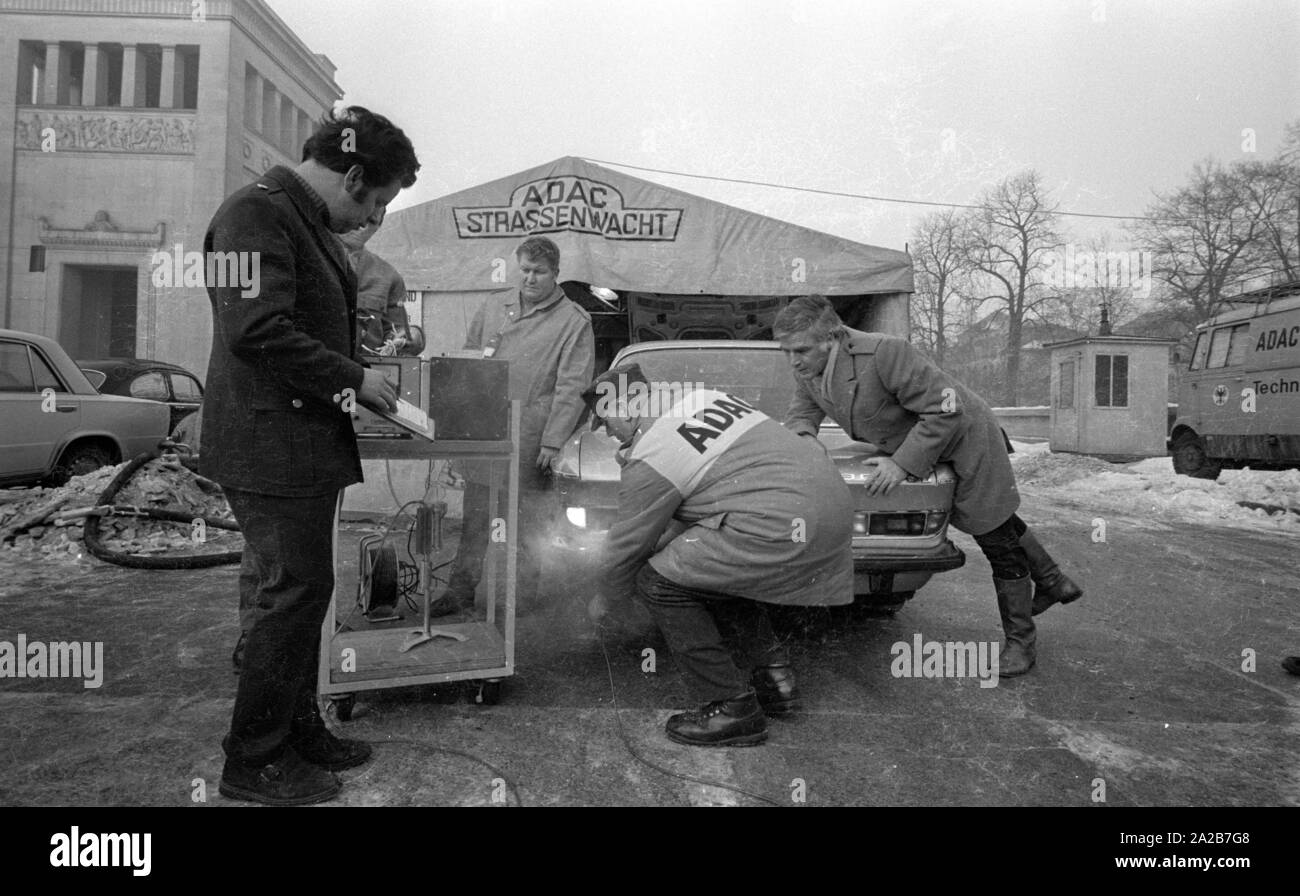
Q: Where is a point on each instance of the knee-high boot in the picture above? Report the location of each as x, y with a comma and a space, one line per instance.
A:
1051, 586
1015, 601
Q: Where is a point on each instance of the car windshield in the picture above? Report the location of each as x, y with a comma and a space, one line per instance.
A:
761, 377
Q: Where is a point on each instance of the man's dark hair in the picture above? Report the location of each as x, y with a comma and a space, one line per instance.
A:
539, 248
804, 314
357, 136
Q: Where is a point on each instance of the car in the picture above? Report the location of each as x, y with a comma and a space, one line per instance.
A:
54, 424
899, 541
152, 380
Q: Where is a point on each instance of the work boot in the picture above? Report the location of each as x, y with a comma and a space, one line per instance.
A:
315, 743
1015, 603
1051, 586
775, 687
1292, 664
237, 658
288, 781
735, 722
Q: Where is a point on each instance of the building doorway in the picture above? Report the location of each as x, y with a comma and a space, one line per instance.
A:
98, 312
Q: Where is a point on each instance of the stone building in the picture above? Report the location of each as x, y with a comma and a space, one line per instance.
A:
125, 123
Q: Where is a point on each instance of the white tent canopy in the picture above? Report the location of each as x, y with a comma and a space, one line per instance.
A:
625, 233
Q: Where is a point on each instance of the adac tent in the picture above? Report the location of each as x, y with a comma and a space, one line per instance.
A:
625, 233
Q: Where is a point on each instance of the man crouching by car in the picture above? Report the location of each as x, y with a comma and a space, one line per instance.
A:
722, 510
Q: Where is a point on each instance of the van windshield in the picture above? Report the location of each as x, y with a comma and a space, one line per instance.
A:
1228, 347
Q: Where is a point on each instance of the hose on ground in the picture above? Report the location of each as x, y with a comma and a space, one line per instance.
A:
135, 561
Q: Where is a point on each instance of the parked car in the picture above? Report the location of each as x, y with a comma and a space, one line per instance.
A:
899, 540
151, 380
54, 424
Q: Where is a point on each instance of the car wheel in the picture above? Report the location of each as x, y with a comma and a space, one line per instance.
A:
1190, 458
78, 461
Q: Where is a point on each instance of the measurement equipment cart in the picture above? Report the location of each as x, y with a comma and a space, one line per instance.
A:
367, 643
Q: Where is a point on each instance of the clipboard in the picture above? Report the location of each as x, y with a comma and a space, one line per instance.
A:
410, 418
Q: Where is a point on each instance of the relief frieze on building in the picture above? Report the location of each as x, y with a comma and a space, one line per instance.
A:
95, 130
101, 232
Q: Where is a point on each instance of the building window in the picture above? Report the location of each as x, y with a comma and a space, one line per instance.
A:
149, 66
36, 260
1112, 381
31, 72
187, 77
1065, 389
251, 92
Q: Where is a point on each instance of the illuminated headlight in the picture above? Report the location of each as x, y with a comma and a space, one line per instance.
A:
577, 516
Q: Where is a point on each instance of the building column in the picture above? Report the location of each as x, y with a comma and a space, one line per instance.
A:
129, 77
53, 73
90, 77
167, 87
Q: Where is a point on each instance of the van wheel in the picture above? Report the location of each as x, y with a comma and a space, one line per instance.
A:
1190, 459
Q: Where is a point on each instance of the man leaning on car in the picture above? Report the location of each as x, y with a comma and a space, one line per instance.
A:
883, 391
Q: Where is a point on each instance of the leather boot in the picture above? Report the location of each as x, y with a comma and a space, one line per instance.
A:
735, 722
1051, 586
1015, 603
775, 688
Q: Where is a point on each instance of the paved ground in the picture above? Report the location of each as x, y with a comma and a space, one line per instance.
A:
1139, 686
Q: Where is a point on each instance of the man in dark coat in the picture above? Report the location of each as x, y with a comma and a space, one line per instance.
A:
278, 436
721, 511
883, 391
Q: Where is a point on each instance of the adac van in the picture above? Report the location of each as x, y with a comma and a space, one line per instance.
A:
1239, 400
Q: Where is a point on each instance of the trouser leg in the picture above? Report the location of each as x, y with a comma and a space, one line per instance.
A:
292, 539
475, 525
684, 618
748, 627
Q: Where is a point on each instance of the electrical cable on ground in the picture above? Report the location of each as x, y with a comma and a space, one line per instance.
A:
627, 742
423, 745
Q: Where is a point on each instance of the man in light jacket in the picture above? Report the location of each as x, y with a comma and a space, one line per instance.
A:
721, 511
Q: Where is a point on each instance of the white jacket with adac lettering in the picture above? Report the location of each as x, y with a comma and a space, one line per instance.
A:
766, 514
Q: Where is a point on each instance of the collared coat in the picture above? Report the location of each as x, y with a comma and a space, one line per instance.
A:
552, 355
746, 507
885, 392
273, 422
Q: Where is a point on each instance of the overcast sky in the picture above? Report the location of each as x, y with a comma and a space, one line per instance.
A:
1107, 99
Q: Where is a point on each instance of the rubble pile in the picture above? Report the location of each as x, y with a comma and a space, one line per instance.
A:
39, 522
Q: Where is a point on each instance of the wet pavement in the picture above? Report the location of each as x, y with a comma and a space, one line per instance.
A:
1143, 695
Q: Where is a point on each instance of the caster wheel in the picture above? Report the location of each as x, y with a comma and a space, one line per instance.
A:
343, 707
485, 693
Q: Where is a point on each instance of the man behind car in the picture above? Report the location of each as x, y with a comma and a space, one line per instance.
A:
883, 391
278, 439
721, 511
381, 295
551, 349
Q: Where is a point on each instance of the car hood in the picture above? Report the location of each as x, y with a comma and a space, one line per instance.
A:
590, 457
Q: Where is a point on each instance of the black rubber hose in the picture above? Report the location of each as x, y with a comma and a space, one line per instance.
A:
136, 561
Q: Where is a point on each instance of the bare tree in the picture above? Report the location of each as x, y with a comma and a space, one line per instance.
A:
1009, 240
940, 267
1272, 191
1076, 304
1203, 236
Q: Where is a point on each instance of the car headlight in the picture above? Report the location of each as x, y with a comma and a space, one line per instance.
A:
577, 516
899, 523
